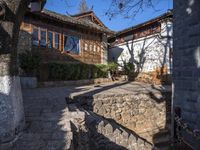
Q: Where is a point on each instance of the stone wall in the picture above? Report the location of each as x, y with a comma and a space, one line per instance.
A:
159, 76
186, 64
11, 110
75, 83
25, 41
143, 113
94, 132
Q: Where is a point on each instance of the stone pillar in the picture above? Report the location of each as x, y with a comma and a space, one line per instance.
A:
186, 64
11, 105
11, 108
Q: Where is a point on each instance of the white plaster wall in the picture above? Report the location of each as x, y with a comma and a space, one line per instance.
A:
151, 51
104, 50
11, 107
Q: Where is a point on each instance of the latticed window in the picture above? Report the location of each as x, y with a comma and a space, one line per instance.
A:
98, 49
50, 39
90, 47
86, 46
95, 48
57, 41
71, 44
35, 36
43, 35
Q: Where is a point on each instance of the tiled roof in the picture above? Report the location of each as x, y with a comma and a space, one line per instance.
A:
161, 17
71, 20
79, 15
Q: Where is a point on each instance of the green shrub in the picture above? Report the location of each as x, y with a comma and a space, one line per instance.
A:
129, 68
130, 71
78, 71
29, 62
112, 66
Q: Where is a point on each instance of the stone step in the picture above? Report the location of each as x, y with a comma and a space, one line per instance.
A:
163, 146
162, 140
162, 133
72, 107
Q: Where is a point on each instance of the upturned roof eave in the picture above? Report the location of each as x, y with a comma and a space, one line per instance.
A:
70, 20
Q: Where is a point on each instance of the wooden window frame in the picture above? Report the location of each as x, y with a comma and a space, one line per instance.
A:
54, 41
90, 48
47, 45
95, 47
85, 46
38, 35
41, 30
79, 44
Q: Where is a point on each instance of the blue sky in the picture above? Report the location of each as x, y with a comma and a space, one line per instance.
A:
100, 6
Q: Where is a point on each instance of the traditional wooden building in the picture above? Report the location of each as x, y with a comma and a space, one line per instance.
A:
148, 46
62, 38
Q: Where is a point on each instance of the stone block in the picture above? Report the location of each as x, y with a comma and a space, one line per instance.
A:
109, 128
140, 142
132, 139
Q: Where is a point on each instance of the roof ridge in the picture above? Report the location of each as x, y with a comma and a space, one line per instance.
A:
71, 20
166, 14
82, 13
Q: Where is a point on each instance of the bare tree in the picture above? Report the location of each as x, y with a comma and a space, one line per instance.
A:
128, 8
83, 7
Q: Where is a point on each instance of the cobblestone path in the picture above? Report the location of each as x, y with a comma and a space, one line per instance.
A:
47, 123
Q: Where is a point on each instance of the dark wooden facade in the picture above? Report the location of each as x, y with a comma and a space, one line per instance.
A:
91, 47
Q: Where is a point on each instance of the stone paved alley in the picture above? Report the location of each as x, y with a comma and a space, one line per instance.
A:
50, 120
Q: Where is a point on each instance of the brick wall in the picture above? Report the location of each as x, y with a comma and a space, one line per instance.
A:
186, 64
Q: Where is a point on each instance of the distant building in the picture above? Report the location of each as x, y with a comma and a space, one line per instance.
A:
63, 38
148, 45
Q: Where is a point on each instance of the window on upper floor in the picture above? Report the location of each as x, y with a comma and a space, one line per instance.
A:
71, 44
90, 47
35, 36
98, 49
86, 47
43, 35
94, 47
57, 41
50, 39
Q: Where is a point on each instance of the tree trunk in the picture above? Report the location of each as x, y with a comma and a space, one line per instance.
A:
11, 105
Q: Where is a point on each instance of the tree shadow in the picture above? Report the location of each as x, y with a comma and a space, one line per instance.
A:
92, 139
53, 65
101, 133
149, 50
47, 121
85, 101
160, 45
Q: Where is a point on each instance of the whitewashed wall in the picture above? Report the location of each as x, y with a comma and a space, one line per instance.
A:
151, 52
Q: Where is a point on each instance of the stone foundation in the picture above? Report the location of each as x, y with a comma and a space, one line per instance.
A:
75, 83
143, 113
11, 109
91, 131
